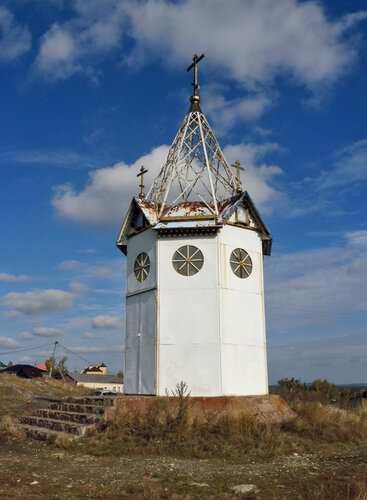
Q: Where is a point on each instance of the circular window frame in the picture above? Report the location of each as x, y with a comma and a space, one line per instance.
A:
241, 263
188, 260
141, 267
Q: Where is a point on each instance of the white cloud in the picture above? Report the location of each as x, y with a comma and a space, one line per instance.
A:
69, 265
258, 178
317, 287
58, 54
25, 359
226, 112
7, 343
43, 331
57, 158
78, 44
254, 41
105, 199
357, 238
250, 43
102, 272
89, 335
78, 288
25, 336
11, 278
321, 358
329, 190
349, 166
96, 350
15, 40
106, 321
38, 301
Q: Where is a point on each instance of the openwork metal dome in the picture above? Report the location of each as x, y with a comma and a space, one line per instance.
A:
195, 169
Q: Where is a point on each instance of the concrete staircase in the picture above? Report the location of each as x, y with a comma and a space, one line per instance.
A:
70, 417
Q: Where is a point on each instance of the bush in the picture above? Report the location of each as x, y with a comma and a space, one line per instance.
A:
326, 389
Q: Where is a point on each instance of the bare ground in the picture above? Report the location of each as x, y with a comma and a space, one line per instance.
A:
32, 469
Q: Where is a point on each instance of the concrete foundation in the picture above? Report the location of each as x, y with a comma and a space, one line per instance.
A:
268, 409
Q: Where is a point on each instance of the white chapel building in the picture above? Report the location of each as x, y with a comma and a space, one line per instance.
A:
194, 296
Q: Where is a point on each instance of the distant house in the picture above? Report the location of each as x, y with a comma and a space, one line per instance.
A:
2, 366
24, 371
68, 379
99, 382
42, 367
95, 370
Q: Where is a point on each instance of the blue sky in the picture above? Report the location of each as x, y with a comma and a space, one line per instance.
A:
91, 90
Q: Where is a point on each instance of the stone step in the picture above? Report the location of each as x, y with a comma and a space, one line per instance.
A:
69, 416
92, 400
55, 425
41, 433
78, 408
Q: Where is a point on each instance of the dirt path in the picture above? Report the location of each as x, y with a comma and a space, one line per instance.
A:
31, 469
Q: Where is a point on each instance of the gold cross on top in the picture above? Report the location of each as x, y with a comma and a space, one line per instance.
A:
194, 65
236, 165
142, 172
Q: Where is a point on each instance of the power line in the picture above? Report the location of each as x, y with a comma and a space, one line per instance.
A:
75, 354
26, 349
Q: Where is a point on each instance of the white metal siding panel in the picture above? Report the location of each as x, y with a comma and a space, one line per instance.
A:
242, 318
142, 242
189, 348
197, 365
243, 347
140, 344
243, 370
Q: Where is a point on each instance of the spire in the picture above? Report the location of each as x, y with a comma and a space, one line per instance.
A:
195, 169
195, 98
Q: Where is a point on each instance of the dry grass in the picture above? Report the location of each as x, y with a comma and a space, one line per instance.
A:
161, 430
329, 424
10, 426
67, 389
13, 385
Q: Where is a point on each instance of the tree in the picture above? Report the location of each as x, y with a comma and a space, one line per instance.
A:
325, 388
10, 364
121, 374
59, 368
50, 364
291, 389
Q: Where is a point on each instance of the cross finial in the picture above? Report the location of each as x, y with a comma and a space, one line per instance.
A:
195, 97
141, 174
236, 165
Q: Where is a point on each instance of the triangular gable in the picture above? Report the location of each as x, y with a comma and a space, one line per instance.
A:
240, 209
243, 200
141, 215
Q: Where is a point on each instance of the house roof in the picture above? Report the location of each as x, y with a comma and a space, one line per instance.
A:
2, 365
27, 371
93, 369
108, 379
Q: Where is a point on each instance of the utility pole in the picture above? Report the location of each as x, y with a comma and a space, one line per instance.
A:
52, 357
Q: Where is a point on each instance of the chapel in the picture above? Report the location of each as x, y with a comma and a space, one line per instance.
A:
195, 245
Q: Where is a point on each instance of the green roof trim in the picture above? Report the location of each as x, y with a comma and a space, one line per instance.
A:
2, 365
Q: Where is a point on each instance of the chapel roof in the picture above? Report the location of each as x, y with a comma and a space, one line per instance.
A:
195, 189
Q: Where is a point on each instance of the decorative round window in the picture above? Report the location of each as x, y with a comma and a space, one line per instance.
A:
141, 266
188, 260
241, 263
